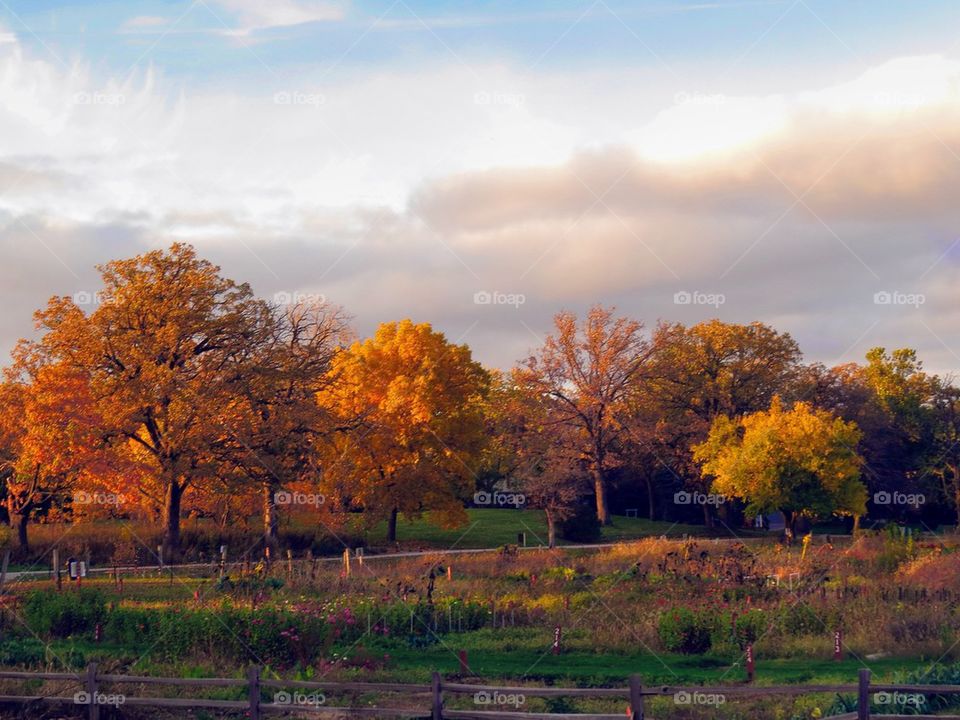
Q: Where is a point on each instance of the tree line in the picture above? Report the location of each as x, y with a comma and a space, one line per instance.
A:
181, 392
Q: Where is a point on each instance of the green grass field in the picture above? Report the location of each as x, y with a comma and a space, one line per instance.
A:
488, 528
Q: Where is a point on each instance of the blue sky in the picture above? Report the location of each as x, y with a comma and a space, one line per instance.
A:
772, 37
793, 161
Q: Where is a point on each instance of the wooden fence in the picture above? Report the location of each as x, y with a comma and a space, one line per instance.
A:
92, 695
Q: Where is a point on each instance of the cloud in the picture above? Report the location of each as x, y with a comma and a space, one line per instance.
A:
405, 193
254, 15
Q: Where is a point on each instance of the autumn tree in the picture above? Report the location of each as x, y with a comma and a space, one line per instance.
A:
48, 441
801, 461
275, 420
703, 372
410, 407
585, 370
533, 453
156, 351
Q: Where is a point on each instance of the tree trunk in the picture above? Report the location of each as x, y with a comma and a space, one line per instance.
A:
707, 515
600, 489
171, 521
269, 513
551, 530
20, 520
392, 526
651, 497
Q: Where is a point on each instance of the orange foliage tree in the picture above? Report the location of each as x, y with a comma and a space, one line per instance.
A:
410, 406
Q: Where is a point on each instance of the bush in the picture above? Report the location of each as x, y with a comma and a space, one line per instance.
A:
801, 619
582, 526
686, 631
62, 614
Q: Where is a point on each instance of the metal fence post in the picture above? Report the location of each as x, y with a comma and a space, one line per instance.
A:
863, 697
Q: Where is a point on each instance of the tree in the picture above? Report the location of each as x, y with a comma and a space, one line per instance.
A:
944, 456
586, 370
706, 371
48, 440
275, 419
533, 453
409, 405
156, 351
801, 461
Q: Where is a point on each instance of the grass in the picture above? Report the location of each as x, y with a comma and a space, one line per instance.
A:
488, 527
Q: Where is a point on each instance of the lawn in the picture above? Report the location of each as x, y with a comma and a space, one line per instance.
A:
488, 528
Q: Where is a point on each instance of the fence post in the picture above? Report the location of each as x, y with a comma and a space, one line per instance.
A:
636, 698
863, 697
437, 713
253, 678
93, 709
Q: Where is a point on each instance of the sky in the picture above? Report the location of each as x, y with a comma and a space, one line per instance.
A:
483, 165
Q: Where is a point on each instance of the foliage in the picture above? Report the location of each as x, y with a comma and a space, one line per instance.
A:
799, 461
64, 614
687, 631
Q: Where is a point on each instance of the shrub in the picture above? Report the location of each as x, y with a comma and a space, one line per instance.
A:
582, 526
801, 619
63, 614
686, 631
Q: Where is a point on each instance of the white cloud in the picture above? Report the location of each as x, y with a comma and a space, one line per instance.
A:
254, 15
403, 192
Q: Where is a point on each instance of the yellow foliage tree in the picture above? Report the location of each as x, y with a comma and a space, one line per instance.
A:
410, 405
801, 461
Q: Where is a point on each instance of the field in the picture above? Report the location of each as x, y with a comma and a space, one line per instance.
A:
675, 610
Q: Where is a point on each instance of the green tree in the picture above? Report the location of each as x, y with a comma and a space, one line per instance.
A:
801, 461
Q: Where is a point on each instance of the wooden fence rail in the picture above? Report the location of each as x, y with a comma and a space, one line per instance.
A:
92, 694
